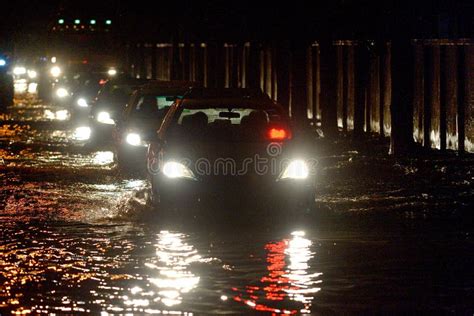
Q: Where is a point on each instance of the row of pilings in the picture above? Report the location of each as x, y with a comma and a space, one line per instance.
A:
416, 93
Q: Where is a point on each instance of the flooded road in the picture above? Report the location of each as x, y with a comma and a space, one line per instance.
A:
80, 237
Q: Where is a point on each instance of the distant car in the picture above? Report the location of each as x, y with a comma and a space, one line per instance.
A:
142, 117
77, 85
231, 143
86, 91
110, 103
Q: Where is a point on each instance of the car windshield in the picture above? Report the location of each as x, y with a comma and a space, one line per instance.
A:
225, 123
153, 106
117, 94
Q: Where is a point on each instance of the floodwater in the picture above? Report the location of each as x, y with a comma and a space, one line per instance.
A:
80, 237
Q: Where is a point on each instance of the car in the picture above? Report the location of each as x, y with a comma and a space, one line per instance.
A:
142, 116
76, 85
110, 103
86, 91
229, 145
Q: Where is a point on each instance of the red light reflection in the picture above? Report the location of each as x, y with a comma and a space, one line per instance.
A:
286, 278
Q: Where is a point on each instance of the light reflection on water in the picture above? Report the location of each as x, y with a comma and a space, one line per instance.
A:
103, 158
128, 269
287, 276
60, 115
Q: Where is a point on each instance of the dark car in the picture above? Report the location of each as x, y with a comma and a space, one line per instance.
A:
141, 118
86, 91
110, 103
234, 144
77, 85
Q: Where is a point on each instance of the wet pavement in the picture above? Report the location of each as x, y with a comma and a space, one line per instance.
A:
79, 235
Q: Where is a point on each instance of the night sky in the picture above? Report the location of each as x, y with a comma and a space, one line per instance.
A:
248, 20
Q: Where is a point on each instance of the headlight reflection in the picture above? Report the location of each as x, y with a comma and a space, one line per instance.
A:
173, 277
82, 133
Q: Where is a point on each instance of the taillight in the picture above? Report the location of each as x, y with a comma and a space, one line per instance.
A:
278, 133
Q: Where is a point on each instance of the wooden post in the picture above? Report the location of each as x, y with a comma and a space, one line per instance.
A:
234, 63
418, 95
309, 83
346, 86
253, 73
283, 75
450, 101
204, 60
469, 98
227, 69
154, 73
402, 97
298, 83
274, 72
142, 61
464, 111
340, 87
350, 87
186, 56
443, 96
428, 94
386, 95
211, 65
374, 94
328, 87
435, 100
361, 81
220, 66
316, 89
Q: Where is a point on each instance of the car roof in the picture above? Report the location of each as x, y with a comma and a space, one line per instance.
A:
122, 80
167, 87
263, 104
211, 93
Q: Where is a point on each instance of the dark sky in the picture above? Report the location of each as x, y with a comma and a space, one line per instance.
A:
194, 20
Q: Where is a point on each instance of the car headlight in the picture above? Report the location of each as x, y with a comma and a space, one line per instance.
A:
62, 93
112, 72
133, 139
32, 74
175, 170
82, 103
104, 118
82, 133
55, 71
296, 169
19, 70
